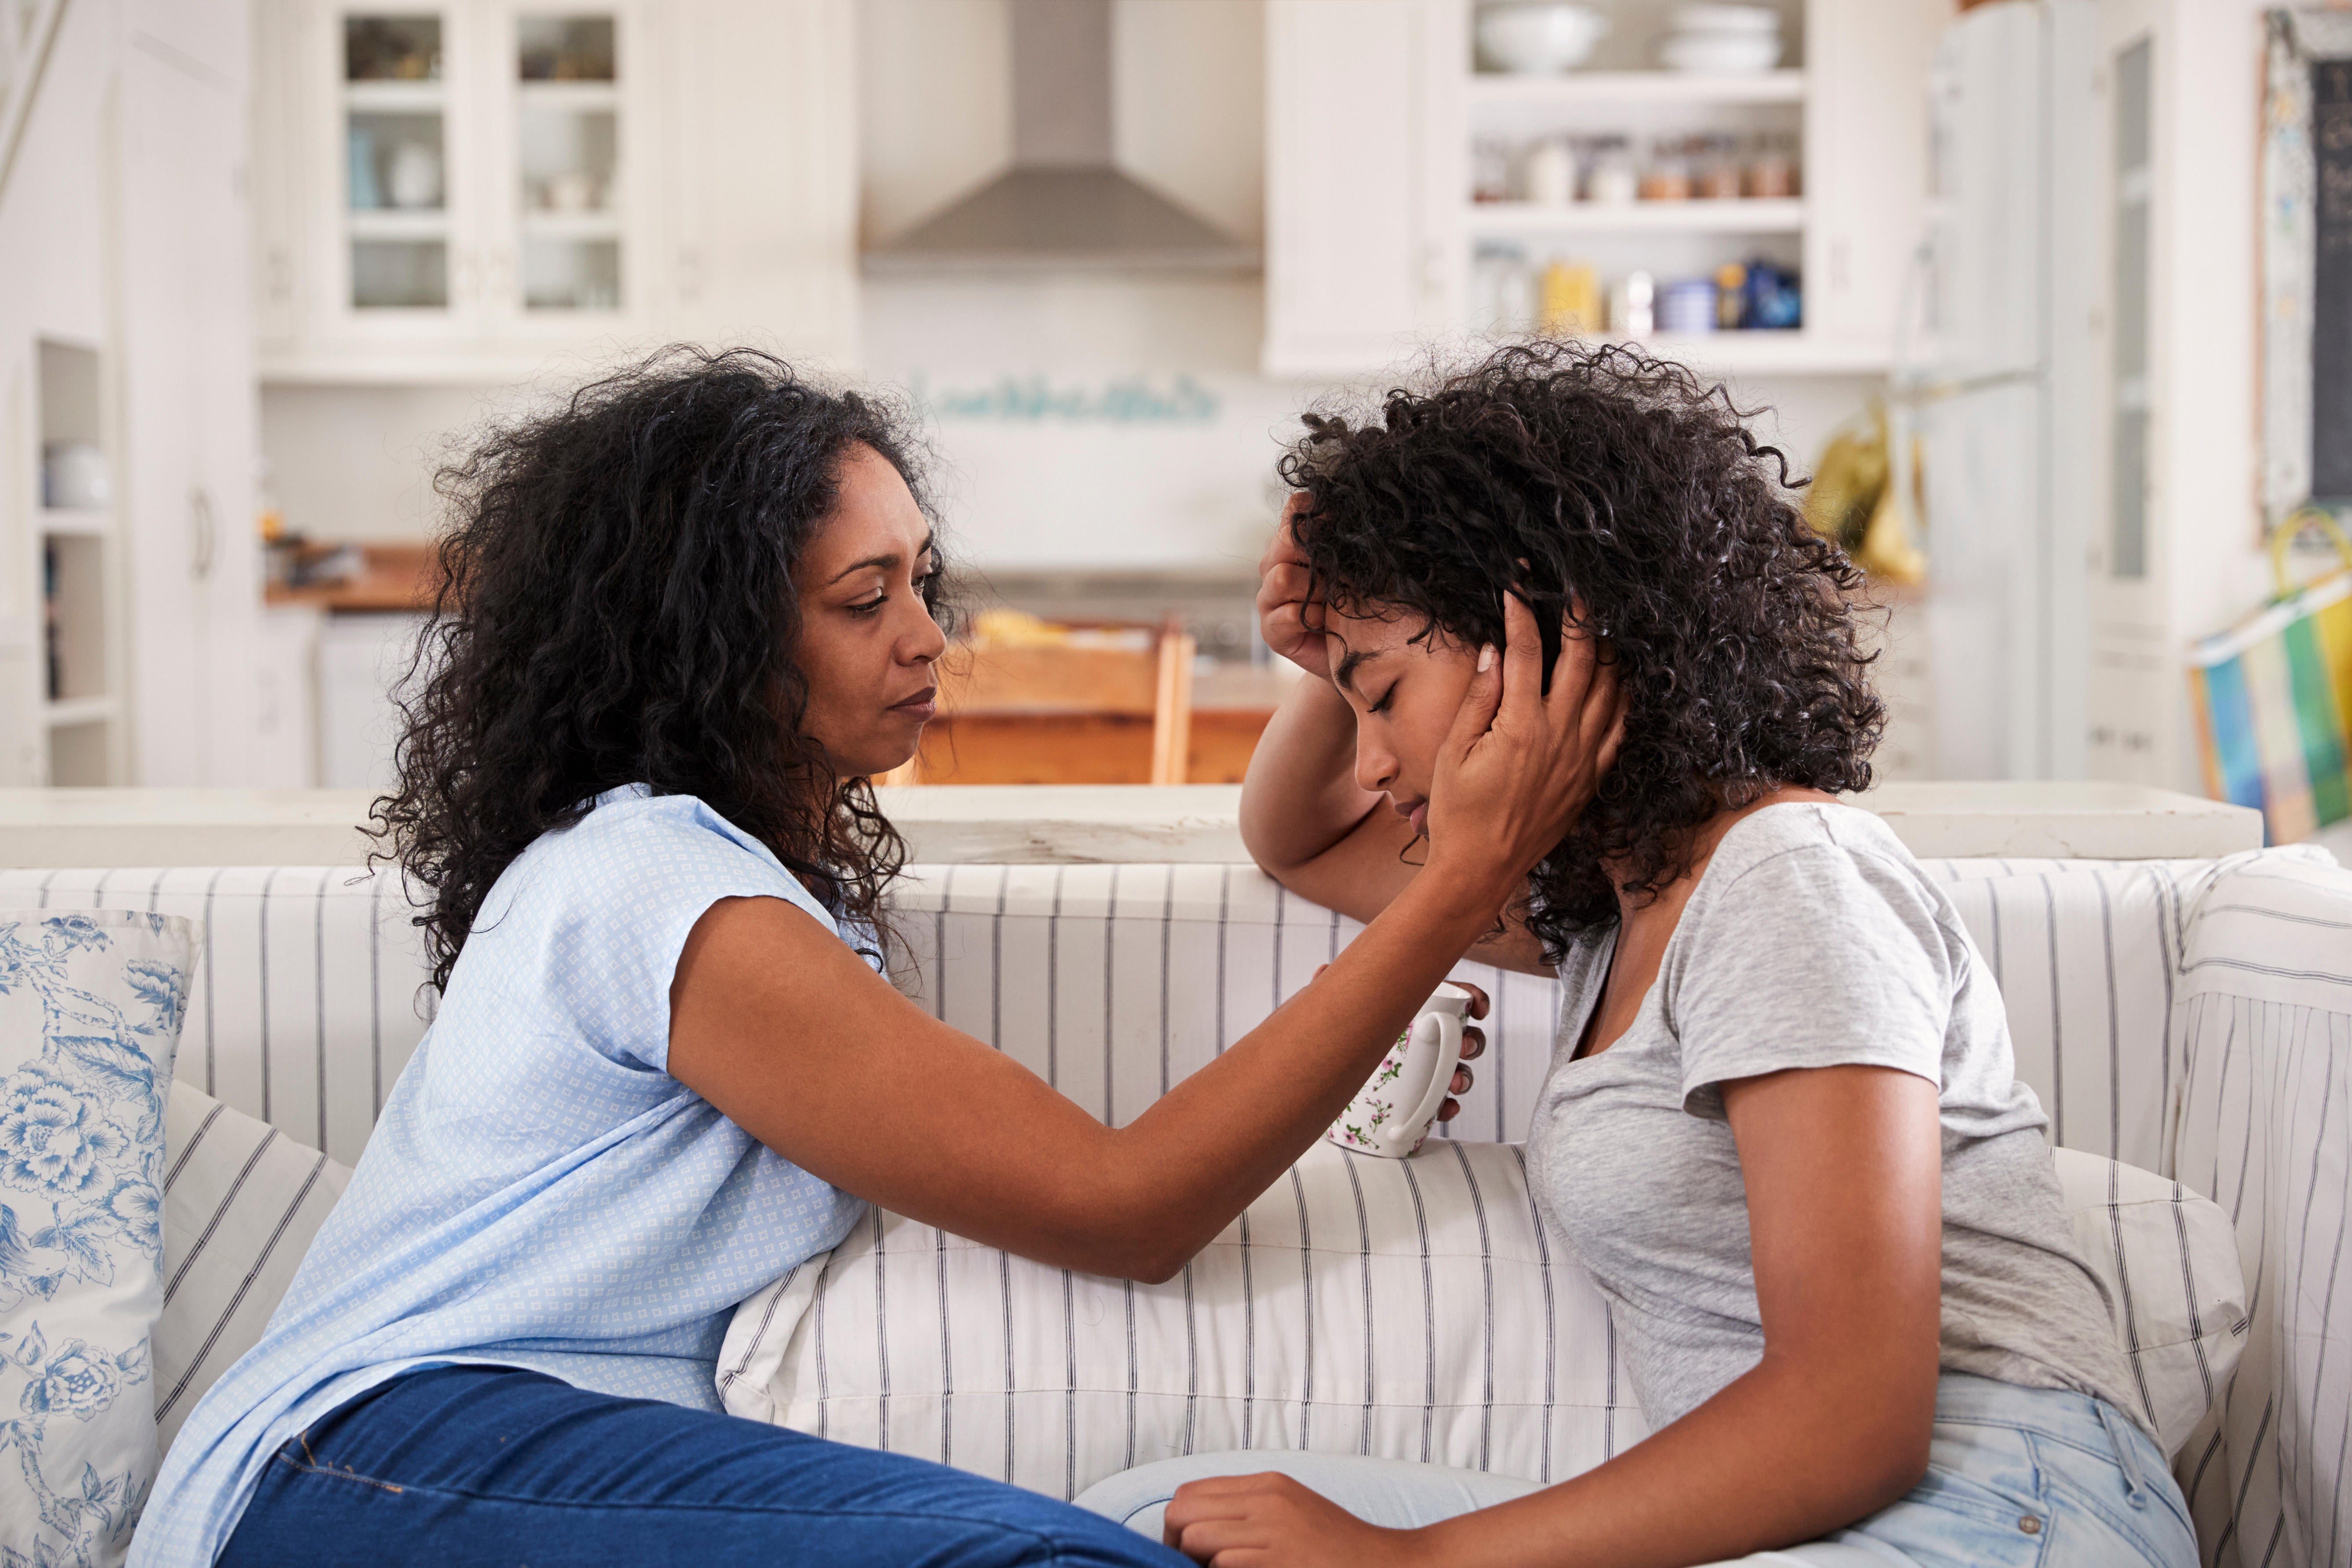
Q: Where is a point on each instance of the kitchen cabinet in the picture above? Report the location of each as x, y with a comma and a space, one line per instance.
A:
192, 589
463, 192
1375, 244
1360, 128
129, 587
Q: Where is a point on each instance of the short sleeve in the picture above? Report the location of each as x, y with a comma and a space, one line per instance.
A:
600, 912
1816, 956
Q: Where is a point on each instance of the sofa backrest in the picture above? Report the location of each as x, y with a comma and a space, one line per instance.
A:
1113, 981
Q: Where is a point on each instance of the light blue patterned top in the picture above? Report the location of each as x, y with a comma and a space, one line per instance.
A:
539, 1191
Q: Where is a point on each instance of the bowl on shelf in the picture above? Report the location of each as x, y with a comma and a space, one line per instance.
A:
1727, 19
1536, 37
1728, 53
1731, 40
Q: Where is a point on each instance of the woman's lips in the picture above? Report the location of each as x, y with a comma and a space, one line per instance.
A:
1416, 814
924, 705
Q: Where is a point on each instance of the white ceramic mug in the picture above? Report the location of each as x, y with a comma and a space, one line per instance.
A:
1391, 1115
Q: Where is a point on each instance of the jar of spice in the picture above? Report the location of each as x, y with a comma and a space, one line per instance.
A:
1668, 177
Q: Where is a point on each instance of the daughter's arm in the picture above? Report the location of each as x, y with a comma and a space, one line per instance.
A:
1844, 1178
1304, 818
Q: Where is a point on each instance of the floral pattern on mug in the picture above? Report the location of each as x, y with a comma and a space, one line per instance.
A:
81, 1147
1375, 1106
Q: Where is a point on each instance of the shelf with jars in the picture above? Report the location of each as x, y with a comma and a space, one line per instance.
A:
1804, 170
461, 191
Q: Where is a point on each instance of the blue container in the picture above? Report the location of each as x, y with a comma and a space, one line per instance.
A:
1687, 305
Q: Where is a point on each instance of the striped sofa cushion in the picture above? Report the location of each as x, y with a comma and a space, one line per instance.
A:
1113, 981
241, 1202
1405, 1309
309, 994
2265, 1035
1414, 1309
2169, 1261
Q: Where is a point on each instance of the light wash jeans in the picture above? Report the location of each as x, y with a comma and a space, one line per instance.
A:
2016, 1476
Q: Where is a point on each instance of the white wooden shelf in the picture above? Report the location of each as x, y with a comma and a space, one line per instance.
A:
577, 97
1739, 215
79, 522
394, 223
65, 712
1640, 87
1769, 352
395, 97
544, 225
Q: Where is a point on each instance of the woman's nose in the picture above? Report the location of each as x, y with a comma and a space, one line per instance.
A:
926, 642
1375, 768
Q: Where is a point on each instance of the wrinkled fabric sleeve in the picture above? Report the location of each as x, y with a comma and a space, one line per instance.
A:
1817, 956
618, 893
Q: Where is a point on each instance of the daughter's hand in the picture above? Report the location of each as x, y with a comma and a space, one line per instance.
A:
1520, 766
1290, 626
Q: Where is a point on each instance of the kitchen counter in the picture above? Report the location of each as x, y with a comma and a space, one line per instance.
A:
1041, 823
396, 578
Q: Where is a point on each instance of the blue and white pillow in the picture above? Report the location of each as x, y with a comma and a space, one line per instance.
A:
90, 1004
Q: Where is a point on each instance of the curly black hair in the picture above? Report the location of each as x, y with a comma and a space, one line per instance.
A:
617, 607
1625, 482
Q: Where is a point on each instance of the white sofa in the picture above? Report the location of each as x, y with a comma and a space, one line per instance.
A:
2193, 1018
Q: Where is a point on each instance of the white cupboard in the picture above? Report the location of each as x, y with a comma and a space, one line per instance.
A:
463, 192
131, 585
1399, 180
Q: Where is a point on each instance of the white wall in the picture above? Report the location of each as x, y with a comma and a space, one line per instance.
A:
357, 462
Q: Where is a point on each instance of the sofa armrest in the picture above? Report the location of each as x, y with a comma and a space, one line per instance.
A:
2263, 1018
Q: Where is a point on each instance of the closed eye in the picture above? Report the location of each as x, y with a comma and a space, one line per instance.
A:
1386, 698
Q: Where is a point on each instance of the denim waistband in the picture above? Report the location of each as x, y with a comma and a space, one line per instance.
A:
2060, 1414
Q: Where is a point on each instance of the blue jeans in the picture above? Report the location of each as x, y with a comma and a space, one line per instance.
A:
2016, 1476
485, 1466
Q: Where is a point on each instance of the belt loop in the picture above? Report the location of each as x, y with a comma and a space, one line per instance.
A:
2126, 1452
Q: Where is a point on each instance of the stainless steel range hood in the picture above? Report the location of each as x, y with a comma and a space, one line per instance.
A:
1062, 206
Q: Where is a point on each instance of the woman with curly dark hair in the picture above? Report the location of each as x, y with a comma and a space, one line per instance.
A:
685, 617
1781, 1130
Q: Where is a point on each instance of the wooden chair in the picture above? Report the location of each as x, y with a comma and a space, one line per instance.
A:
1112, 706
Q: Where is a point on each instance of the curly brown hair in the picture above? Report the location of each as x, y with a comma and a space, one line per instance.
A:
617, 607
1626, 483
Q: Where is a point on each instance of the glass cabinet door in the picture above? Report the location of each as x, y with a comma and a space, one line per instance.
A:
566, 69
397, 157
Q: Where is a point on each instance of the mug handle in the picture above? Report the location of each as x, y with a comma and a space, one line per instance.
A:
1441, 1081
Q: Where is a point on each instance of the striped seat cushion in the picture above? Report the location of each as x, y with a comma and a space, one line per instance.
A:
241, 1202
2169, 1261
1408, 1309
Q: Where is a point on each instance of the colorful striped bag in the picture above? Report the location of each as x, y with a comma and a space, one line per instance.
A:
2274, 697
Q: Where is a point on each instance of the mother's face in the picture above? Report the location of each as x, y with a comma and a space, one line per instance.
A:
1405, 694
867, 641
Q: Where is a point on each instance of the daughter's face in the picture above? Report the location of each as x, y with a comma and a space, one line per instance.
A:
1405, 694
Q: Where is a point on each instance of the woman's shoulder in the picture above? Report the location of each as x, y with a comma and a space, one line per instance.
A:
1814, 829
633, 845
1818, 860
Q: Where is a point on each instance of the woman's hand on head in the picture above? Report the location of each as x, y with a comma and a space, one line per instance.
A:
1286, 620
1521, 764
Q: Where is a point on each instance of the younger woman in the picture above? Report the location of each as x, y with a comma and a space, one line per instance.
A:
1781, 1129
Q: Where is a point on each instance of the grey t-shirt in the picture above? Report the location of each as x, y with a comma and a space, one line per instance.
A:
1812, 940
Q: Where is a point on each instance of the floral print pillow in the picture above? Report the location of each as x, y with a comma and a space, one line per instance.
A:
89, 1017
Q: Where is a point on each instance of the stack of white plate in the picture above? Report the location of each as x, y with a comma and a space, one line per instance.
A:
1730, 39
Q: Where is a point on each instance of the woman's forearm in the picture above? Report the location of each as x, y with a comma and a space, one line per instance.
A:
1223, 1135
1787, 1453
1301, 797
